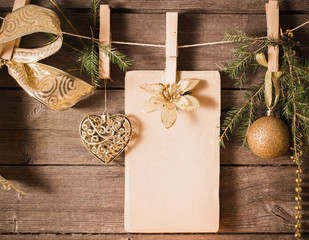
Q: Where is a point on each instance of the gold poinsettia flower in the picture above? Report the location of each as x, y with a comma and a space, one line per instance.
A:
170, 97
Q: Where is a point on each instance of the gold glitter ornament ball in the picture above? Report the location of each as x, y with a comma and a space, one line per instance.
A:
268, 137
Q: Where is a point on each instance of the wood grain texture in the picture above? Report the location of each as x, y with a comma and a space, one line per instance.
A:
193, 28
148, 237
65, 147
90, 199
69, 191
25, 112
44, 136
196, 6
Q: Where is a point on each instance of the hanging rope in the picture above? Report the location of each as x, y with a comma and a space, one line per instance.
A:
163, 46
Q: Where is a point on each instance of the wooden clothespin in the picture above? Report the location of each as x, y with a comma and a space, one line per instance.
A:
7, 48
171, 50
272, 17
105, 38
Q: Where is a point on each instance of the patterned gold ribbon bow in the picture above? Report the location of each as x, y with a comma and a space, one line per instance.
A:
55, 88
270, 78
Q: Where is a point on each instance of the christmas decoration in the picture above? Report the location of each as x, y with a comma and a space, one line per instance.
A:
56, 89
268, 137
106, 136
172, 94
170, 97
290, 81
298, 206
89, 48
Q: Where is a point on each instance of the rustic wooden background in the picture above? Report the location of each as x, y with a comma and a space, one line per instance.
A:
70, 195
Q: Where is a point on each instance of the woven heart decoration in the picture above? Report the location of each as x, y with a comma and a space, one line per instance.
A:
106, 136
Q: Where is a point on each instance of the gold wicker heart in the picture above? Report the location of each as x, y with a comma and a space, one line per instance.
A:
106, 136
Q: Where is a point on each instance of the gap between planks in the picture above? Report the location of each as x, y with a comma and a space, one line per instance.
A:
128, 236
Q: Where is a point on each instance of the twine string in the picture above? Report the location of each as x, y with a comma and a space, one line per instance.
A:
161, 45
105, 90
299, 26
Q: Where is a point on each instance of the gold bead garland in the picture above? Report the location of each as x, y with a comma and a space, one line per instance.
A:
298, 199
299, 171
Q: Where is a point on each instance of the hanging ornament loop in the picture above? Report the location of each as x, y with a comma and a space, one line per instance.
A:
269, 113
271, 80
105, 116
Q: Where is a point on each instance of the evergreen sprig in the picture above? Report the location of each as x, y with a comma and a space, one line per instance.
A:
244, 55
295, 101
243, 115
89, 60
294, 86
89, 49
95, 13
116, 56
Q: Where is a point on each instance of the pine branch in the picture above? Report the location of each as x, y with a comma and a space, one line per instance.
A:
89, 54
94, 64
235, 115
90, 63
243, 129
304, 117
296, 102
245, 54
94, 13
116, 57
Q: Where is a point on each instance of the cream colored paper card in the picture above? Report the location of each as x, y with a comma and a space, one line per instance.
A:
172, 175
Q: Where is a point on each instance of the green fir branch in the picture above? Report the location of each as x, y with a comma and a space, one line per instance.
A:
94, 13
89, 62
244, 55
89, 52
236, 114
123, 62
246, 122
295, 103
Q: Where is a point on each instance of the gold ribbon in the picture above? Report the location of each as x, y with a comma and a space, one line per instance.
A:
55, 88
270, 78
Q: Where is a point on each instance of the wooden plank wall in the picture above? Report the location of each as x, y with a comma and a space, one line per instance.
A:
70, 195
